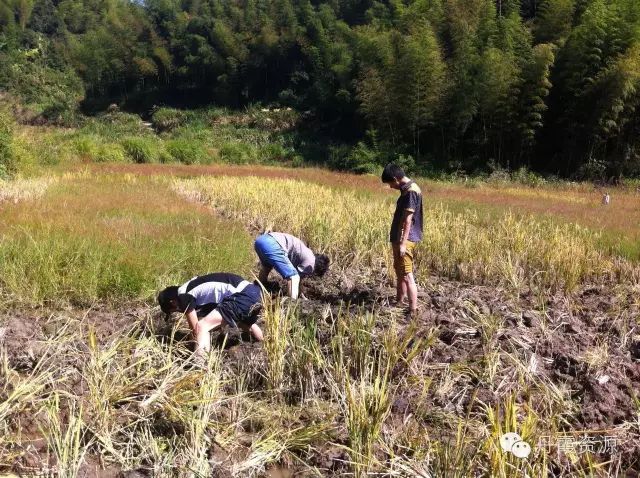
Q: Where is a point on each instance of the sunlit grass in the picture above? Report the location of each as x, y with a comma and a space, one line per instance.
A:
108, 237
324, 381
24, 189
467, 244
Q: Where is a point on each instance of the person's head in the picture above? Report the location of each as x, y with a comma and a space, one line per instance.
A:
393, 175
322, 265
168, 299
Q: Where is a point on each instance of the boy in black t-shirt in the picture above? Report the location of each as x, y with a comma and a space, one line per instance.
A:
212, 300
406, 231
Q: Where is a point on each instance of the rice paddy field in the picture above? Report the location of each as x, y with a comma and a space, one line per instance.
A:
529, 316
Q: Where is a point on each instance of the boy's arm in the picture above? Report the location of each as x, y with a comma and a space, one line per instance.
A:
293, 286
257, 332
263, 276
192, 319
412, 202
406, 228
186, 303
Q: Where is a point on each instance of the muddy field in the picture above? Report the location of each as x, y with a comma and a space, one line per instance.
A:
586, 348
344, 384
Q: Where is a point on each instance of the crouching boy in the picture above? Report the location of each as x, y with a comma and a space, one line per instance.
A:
290, 257
212, 301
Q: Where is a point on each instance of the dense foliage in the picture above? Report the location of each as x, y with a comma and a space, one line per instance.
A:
551, 85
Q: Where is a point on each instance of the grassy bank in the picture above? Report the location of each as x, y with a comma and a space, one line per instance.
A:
93, 237
204, 136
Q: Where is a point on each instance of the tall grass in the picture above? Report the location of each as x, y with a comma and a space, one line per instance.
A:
67, 439
277, 328
108, 237
24, 189
352, 226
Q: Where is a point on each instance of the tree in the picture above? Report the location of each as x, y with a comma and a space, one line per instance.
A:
554, 20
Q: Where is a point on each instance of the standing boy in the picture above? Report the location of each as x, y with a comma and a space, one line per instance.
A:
406, 231
290, 257
211, 300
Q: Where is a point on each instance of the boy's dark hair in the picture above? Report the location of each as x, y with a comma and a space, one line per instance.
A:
166, 296
322, 265
255, 310
392, 171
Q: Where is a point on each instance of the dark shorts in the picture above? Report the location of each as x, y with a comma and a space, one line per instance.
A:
242, 306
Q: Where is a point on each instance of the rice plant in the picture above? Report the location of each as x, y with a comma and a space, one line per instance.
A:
514, 250
67, 440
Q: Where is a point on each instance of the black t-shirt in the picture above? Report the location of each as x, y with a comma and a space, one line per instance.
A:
203, 293
410, 200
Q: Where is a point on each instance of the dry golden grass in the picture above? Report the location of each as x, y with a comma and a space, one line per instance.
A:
582, 204
567, 202
467, 244
24, 189
326, 380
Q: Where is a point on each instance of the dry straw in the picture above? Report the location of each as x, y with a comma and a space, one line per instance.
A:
352, 226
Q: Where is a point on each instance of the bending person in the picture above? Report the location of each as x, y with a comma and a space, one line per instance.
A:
290, 257
213, 300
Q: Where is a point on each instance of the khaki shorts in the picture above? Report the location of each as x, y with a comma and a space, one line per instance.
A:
403, 265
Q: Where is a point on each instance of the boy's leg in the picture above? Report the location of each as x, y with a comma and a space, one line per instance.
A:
408, 278
401, 287
260, 245
211, 321
412, 291
272, 256
254, 330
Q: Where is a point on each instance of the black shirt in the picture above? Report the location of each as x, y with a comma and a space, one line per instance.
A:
410, 200
204, 293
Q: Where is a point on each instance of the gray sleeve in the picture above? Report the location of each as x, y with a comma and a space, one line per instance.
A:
307, 261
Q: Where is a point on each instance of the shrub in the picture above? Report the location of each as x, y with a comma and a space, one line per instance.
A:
407, 163
187, 151
142, 150
527, 178
167, 119
275, 152
116, 124
363, 159
297, 161
274, 119
237, 153
87, 146
7, 157
111, 153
